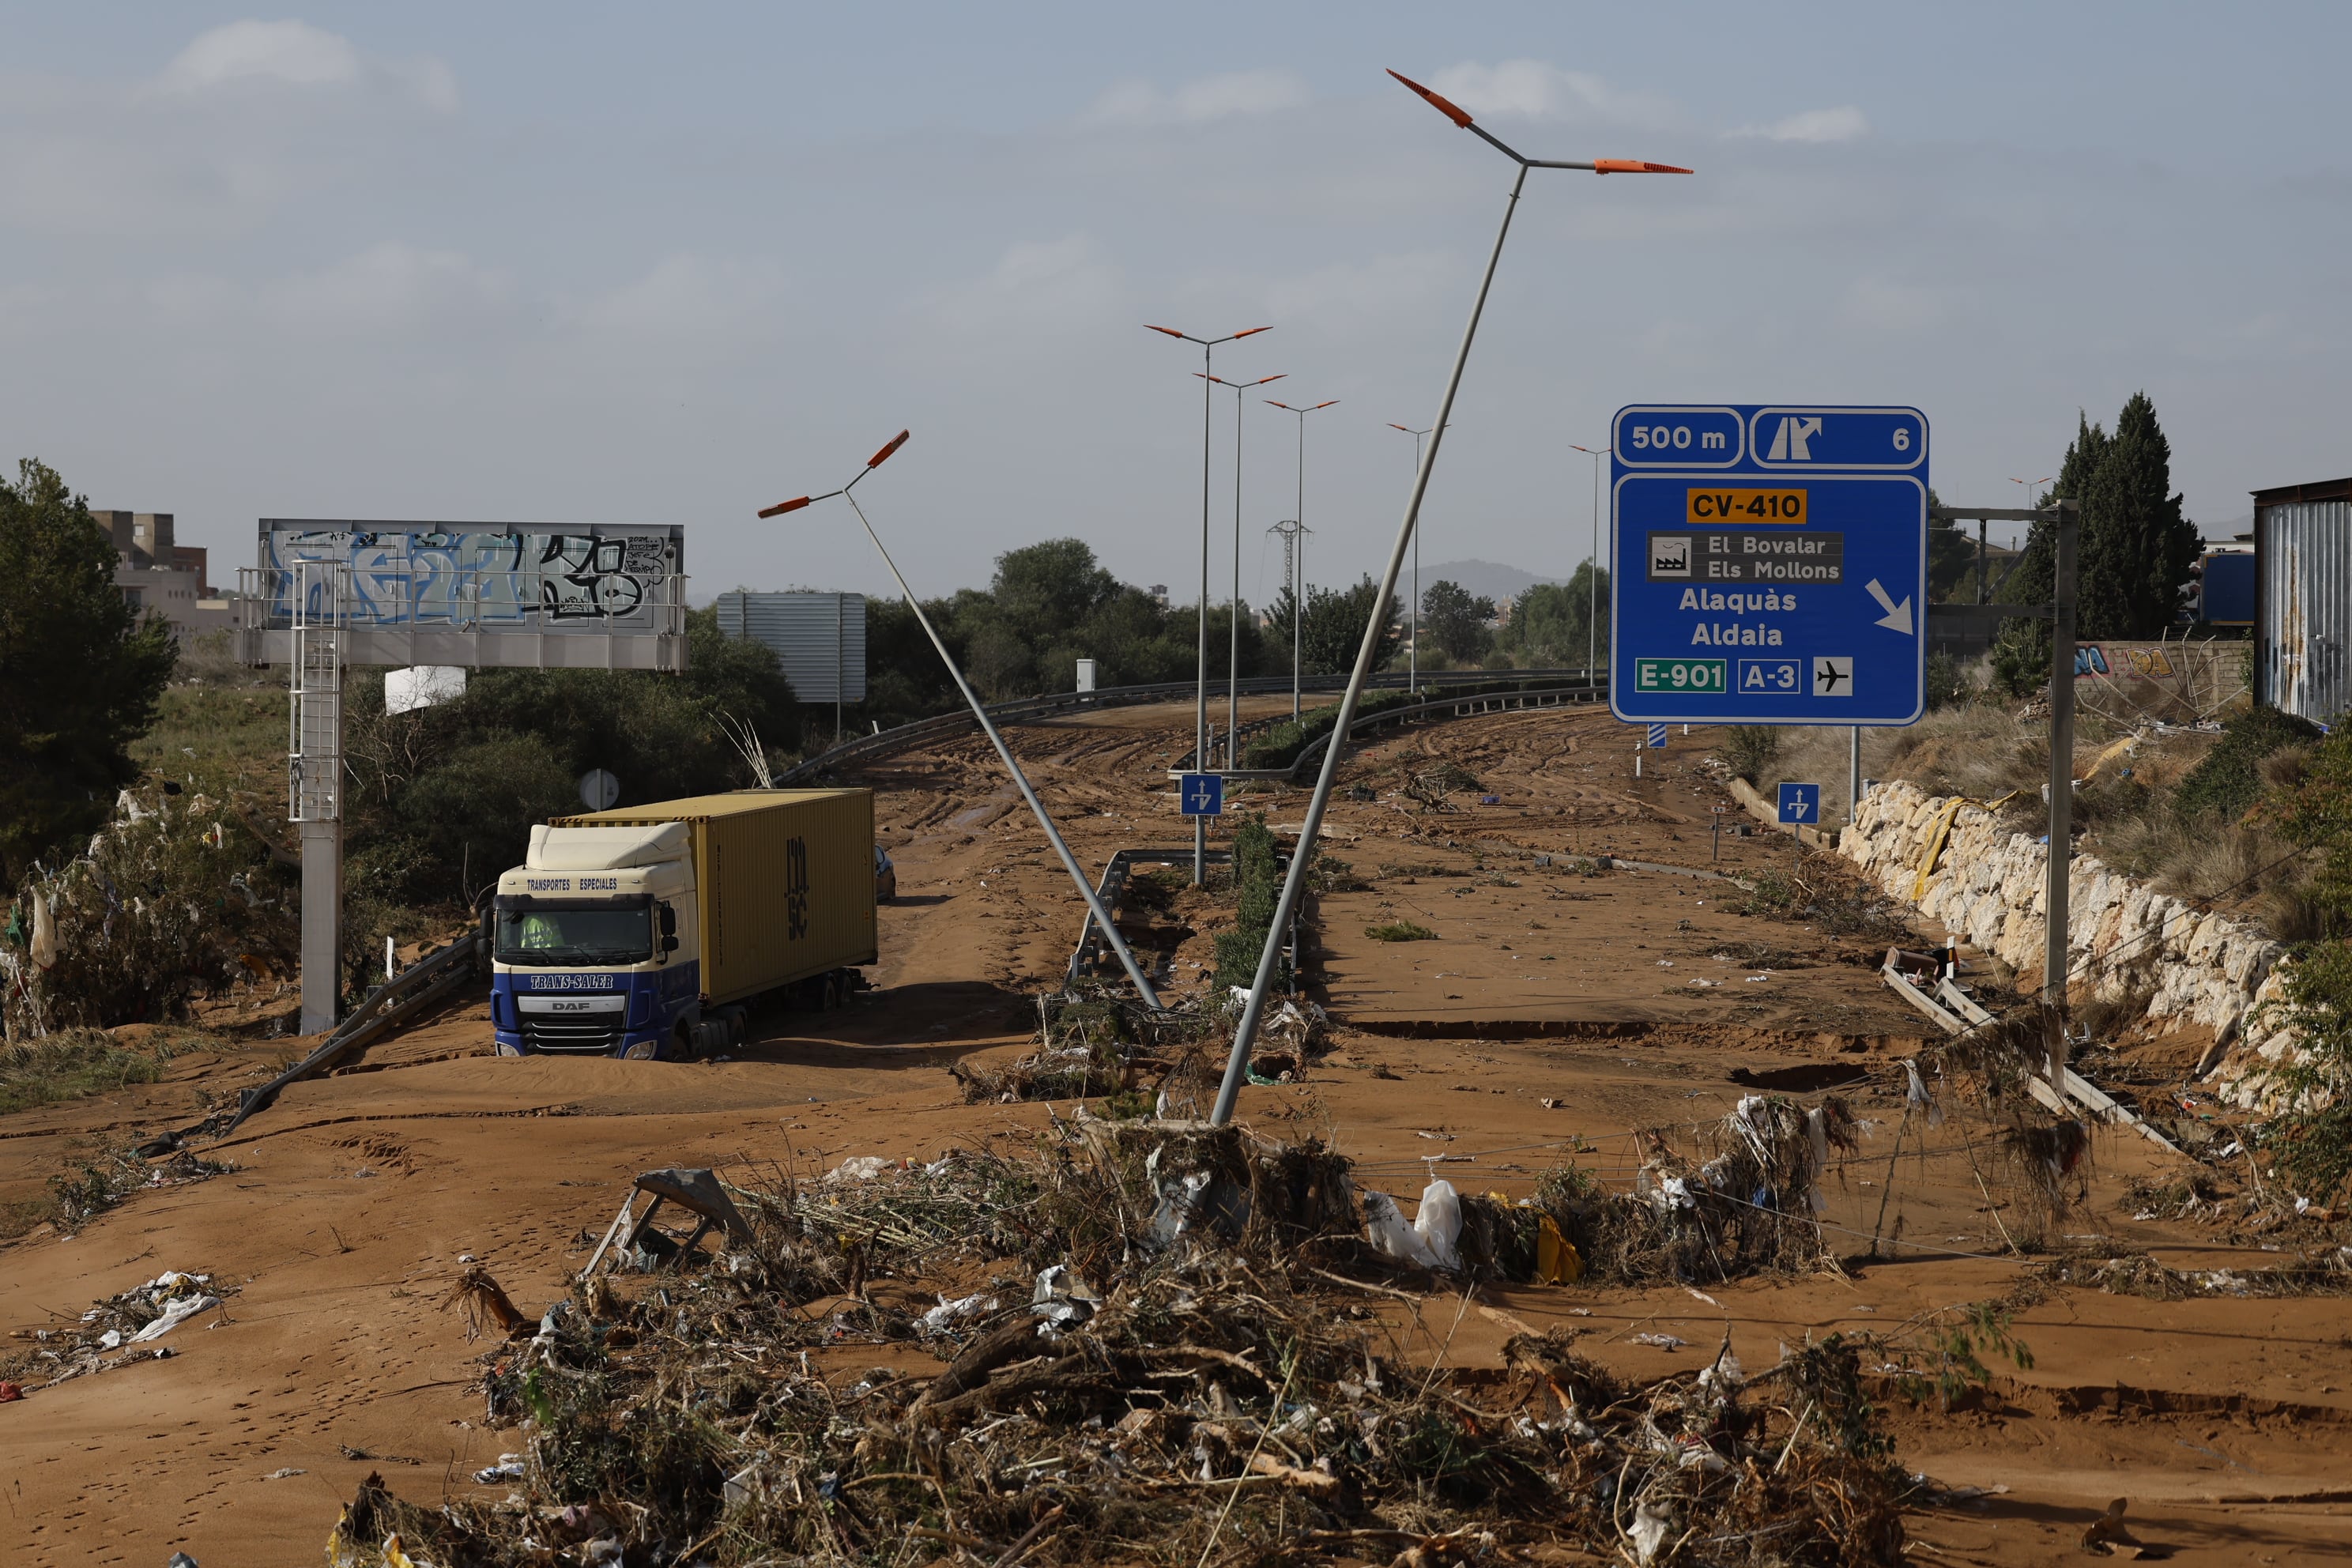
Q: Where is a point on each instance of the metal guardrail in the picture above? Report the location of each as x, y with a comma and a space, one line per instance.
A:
1545, 684
395, 1002
1021, 709
1583, 691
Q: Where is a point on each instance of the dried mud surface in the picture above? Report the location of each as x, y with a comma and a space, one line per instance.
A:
1542, 1020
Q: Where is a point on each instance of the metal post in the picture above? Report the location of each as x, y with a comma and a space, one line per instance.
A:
1069, 862
1297, 600
1234, 616
1200, 696
1593, 582
1297, 618
840, 674
2054, 961
1412, 681
1854, 778
1246, 1033
1984, 589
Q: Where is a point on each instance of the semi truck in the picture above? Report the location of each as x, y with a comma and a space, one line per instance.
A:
642, 932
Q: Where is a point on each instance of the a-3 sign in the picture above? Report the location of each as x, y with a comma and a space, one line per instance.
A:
1202, 795
1769, 565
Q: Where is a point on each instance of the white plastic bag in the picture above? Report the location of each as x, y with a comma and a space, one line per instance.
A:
179, 1311
1439, 1224
1391, 1238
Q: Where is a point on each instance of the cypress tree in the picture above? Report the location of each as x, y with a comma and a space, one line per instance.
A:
2138, 548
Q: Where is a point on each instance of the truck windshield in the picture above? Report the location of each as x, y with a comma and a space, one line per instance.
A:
543, 932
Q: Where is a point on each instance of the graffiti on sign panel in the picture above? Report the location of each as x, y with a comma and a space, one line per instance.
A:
486, 579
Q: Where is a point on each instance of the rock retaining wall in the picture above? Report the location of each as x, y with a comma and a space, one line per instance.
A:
2124, 938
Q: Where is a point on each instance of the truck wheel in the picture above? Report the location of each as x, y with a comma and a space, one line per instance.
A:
681, 1046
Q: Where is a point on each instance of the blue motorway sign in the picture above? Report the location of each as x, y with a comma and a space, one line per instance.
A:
1202, 795
1800, 804
1769, 565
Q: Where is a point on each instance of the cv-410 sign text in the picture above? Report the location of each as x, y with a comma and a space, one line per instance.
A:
1769, 565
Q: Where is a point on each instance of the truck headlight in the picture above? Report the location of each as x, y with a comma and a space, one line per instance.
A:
643, 1051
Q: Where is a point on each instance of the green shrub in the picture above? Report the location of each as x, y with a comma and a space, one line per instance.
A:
1279, 747
1946, 686
1257, 893
2311, 1144
2229, 779
1750, 749
1401, 930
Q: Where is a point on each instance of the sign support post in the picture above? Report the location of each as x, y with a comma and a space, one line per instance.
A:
2062, 791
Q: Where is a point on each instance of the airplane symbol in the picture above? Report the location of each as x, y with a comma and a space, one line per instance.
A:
1789, 441
1828, 675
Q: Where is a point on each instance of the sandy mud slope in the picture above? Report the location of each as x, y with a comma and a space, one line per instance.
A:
1549, 1018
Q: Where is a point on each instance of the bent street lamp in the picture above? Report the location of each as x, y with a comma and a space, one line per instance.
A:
1200, 699
1245, 1034
1069, 862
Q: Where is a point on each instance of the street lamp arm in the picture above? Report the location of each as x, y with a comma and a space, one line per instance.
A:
1461, 117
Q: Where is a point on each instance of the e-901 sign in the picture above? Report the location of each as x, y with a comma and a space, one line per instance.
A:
1678, 674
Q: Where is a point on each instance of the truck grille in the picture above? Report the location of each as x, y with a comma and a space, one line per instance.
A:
594, 1034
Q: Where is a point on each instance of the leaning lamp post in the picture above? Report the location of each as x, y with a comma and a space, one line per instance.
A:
1069, 862
1200, 696
1246, 1033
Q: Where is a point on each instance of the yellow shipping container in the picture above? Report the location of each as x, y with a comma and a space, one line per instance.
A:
784, 881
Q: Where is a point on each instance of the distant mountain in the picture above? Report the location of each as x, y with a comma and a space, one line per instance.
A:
1481, 579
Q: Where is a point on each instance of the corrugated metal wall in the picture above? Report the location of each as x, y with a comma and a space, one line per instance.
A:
2306, 548
819, 638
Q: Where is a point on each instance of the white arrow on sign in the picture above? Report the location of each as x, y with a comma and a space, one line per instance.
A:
1898, 616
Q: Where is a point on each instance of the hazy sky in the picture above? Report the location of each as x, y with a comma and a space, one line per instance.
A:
599, 263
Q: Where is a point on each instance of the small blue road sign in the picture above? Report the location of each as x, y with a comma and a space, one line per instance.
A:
1657, 737
1769, 565
1801, 804
1204, 794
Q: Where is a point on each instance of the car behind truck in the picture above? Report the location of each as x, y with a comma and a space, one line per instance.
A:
641, 932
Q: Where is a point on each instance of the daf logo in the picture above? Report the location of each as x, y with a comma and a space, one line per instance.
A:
562, 1007
1789, 440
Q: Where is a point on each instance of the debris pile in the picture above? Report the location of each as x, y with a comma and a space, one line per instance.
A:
1748, 1207
1096, 1044
114, 1332
1150, 1343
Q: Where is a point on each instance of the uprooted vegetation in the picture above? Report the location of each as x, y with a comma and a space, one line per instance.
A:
1161, 1355
1095, 1043
176, 899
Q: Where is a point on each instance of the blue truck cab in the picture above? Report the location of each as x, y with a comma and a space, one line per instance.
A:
595, 949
